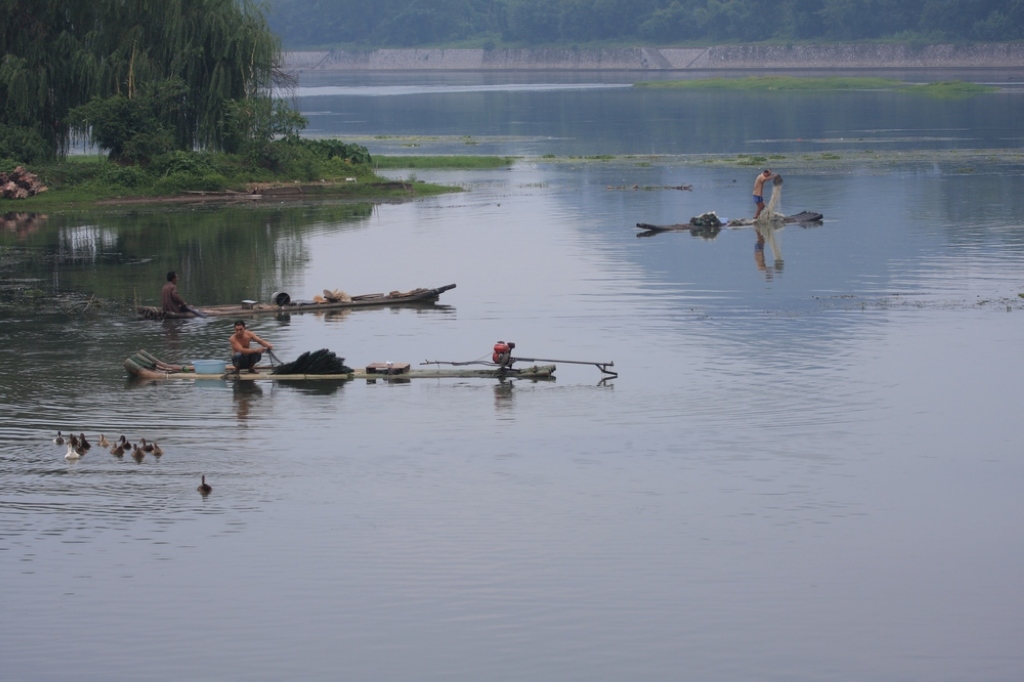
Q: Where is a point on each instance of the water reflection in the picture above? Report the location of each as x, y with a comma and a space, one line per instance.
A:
767, 233
313, 387
22, 224
503, 398
245, 394
221, 253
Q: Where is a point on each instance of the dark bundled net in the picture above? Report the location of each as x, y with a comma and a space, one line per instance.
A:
321, 361
709, 219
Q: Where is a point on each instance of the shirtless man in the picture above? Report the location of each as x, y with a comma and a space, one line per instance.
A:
244, 357
759, 190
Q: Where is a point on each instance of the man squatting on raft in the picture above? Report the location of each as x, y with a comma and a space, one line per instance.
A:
759, 190
243, 356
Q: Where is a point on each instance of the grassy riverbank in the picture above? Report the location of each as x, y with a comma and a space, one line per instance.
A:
83, 181
822, 84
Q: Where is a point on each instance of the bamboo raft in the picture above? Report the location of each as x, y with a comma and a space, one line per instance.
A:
145, 365
801, 218
284, 304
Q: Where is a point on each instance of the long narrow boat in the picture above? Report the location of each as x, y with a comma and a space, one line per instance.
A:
284, 304
145, 365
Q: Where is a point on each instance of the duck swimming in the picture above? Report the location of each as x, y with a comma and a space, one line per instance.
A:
83, 442
59, 440
138, 453
72, 453
103, 442
204, 488
157, 450
117, 450
146, 447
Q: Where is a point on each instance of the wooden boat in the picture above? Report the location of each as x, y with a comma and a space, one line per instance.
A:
284, 304
145, 365
803, 217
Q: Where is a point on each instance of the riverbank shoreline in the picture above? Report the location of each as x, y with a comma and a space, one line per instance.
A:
717, 58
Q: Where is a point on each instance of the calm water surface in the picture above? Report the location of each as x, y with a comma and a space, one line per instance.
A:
809, 467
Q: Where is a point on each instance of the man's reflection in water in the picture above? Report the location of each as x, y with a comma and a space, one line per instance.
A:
172, 332
766, 233
244, 393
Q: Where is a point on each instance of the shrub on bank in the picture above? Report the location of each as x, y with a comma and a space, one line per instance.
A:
177, 172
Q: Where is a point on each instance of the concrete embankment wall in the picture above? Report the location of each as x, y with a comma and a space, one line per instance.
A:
988, 55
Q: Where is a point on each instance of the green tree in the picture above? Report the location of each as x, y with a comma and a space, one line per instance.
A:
132, 129
58, 55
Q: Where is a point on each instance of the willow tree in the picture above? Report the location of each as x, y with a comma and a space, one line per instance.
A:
46, 65
58, 55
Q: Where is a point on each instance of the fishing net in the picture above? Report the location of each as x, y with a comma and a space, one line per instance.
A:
321, 361
709, 219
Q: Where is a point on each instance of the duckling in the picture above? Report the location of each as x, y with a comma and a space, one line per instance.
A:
117, 450
83, 442
72, 453
146, 447
104, 443
75, 444
138, 453
157, 450
59, 440
204, 488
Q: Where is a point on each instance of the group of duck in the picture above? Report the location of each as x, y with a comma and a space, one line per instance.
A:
79, 445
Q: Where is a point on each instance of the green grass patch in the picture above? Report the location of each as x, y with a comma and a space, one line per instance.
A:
944, 89
443, 162
949, 89
84, 180
787, 83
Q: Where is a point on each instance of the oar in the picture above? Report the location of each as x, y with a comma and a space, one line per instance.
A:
196, 311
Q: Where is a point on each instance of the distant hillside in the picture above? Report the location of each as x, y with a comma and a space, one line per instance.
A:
524, 23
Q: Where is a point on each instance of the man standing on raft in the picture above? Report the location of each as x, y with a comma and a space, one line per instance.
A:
759, 189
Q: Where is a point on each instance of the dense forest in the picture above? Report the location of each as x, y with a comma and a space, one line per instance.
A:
493, 23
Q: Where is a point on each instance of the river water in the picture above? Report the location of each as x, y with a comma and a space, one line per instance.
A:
808, 468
